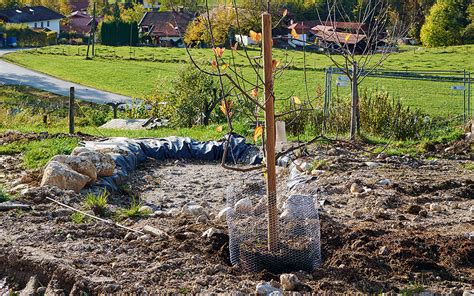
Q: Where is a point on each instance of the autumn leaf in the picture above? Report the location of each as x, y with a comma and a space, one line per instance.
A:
218, 51
296, 100
224, 66
294, 34
219, 129
255, 92
235, 46
257, 133
285, 12
226, 107
255, 36
223, 108
348, 36
275, 64
214, 64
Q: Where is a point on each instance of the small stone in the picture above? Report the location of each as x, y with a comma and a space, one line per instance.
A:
383, 251
173, 212
193, 210
210, 232
384, 182
155, 232
371, 164
202, 219
223, 214
317, 173
356, 188
265, 288
243, 206
289, 281
31, 287
145, 210
357, 214
148, 178
435, 207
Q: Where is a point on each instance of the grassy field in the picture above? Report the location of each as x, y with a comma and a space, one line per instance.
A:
138, 72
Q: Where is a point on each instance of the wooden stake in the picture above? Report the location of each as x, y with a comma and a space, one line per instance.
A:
71, 110
270, 132
355, 102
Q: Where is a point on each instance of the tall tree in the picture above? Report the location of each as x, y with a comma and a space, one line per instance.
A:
444, 24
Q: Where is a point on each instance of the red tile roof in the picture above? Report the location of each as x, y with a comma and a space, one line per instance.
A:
163, 23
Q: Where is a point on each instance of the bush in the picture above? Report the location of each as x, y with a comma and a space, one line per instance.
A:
380, 116
97, 203
192, 101
468, 34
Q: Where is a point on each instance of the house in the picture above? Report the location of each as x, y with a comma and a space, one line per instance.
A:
303, 29
338, 34
79, 22
164, 28
36, 17
78, 4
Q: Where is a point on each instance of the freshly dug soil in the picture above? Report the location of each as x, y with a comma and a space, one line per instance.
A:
410, 230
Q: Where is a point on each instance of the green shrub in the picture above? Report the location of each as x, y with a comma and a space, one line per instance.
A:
117, 32
133, 211
79, 218
97, 203
29, 37
468, 34
4, 196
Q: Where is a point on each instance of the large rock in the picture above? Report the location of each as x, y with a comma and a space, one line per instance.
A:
62, 176
80, 164
104, 163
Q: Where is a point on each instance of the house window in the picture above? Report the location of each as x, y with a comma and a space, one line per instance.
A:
36, 25
41, 24
47, 23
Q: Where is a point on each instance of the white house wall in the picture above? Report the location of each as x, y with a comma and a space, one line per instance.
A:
53, 25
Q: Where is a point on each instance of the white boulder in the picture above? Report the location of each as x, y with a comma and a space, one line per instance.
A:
62, 176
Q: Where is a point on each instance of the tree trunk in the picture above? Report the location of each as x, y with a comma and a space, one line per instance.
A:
355, 112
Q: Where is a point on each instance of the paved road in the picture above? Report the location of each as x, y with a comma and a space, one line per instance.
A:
16, 75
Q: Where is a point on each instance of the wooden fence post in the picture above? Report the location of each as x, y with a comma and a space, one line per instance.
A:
270, 132
71, 110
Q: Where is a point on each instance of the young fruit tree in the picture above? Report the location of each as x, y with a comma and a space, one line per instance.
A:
358, 42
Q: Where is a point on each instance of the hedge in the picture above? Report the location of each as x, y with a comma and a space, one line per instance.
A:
117, 33
27, 37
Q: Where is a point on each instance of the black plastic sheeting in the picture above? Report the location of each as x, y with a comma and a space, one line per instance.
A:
128, 153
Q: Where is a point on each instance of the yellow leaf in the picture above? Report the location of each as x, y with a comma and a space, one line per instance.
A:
255, 92
223, 108
257, 133
275, 64
255, 36
296, 100
224, 66
219, 129
214, 64
218, 51
285, 12
294, 34
347, 37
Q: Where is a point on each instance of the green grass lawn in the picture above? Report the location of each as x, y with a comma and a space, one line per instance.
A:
137, 72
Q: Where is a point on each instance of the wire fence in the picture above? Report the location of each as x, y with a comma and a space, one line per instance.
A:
438, 94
